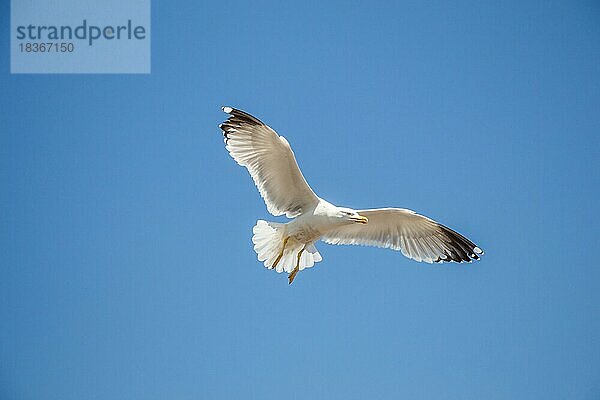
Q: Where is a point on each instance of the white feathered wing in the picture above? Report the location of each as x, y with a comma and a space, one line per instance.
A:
416, 236
271, 163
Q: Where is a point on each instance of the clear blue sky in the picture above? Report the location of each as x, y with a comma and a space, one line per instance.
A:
127, 266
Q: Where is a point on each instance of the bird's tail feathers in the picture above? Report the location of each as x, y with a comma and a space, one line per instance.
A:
268, 241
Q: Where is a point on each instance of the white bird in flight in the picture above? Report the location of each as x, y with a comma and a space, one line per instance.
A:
290, 247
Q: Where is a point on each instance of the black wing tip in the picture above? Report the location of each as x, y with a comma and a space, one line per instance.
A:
461, 249
239, 116
466, 250
237, 119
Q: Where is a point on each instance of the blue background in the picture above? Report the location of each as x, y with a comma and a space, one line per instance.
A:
127, 267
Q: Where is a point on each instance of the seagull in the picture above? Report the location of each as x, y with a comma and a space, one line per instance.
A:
290, 246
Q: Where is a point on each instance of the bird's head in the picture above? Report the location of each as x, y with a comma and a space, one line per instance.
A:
347, 214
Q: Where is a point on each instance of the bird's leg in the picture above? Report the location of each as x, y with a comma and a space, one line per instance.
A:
280, 253
295, 270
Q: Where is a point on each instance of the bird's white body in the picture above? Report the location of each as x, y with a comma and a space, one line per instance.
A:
314, 223
300, 234
290, 247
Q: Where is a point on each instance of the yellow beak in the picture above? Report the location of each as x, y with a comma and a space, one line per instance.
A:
360, 219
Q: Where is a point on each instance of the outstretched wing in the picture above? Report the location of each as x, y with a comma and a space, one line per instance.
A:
417, 236
270, 161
